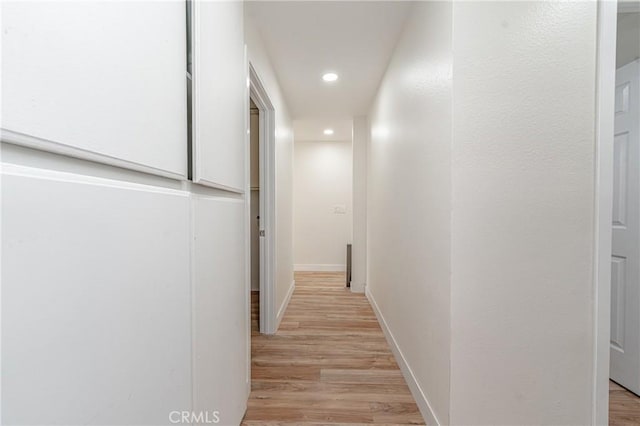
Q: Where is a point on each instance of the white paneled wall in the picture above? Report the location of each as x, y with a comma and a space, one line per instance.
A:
218, 293
220, 94
95, 300
100, 80
124, 294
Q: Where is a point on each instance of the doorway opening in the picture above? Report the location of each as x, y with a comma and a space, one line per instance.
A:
617, 216
624, 391
254, 215
260, 196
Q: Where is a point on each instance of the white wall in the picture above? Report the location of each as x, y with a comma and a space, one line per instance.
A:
118, 285
284, 164
628, 39
322, 205
96, 308
219, 94
480, 210
219, 296
74, 86
522, 222
219, 292
408, 200
359, 220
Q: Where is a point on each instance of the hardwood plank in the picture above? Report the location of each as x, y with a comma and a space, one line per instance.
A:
303, 415
624, 406
284, 373
310, 391
361, 376
329, 363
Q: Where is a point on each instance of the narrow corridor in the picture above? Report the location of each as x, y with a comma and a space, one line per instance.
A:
328, 363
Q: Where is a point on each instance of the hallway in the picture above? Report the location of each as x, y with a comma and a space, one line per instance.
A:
468, 162
328, 363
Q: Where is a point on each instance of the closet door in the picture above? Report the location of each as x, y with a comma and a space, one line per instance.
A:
220, 94
220, 319
96, 304
99, 80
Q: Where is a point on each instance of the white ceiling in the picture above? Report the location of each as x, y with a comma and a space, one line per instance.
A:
306, 39
312, 129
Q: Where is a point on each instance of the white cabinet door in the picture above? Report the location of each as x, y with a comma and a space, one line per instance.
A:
220, 94
220, 317
99, 80
625, 263
96, 314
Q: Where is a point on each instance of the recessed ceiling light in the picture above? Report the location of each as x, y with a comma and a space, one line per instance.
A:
328, 132
330, 76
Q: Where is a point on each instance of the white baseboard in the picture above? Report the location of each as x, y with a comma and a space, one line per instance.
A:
421, 399
285, 303
321, 267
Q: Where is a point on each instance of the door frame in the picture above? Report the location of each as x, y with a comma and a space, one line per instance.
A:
260, 97
603, 208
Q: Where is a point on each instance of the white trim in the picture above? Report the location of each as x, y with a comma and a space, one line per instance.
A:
604, 126
285, 303
427, 412
320, 267
46, 145
211, 184
268, 316
247, 228
9, 169
196, 145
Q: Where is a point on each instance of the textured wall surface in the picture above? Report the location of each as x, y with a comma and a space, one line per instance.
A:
408, 199
522, 203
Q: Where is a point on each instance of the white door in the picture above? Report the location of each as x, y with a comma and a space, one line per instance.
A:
625, 262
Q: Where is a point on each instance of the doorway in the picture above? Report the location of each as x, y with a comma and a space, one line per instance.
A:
254, 221
624, 399
625, 260
617, 221
260, 196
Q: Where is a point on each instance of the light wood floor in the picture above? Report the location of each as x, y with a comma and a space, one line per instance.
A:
329, 363
624, 406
